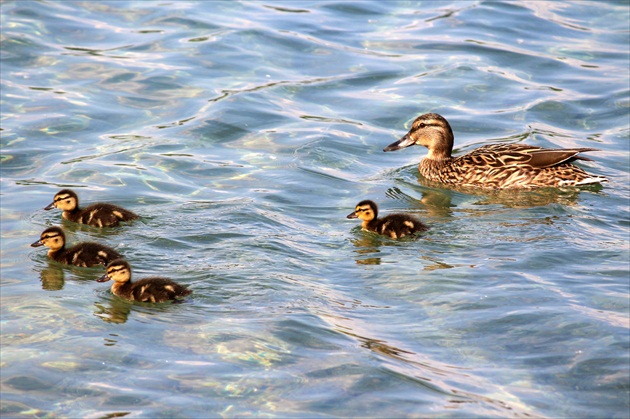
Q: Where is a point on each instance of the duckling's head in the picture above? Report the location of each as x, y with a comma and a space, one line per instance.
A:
430, 130
65, 200
365, 211
52, 237
118, 270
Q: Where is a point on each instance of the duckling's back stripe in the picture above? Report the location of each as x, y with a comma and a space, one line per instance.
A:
76, 256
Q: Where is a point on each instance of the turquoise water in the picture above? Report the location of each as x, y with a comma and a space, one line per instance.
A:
243, 133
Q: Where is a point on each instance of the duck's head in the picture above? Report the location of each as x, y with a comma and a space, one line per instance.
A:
118, 270
430, 130
52, 237
365, 211
65, 200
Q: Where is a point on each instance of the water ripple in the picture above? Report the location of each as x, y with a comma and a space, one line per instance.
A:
243, 133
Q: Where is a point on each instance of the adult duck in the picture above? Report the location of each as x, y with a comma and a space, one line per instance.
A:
495, 166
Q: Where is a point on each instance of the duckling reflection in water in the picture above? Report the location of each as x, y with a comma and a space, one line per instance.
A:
84, 254
152, 290
97, 215
392, 225
495, 166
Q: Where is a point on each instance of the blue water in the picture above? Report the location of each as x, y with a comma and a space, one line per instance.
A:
244, 133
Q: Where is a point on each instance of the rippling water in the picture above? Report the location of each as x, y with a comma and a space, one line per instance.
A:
243, 133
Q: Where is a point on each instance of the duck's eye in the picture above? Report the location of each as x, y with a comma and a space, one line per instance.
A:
422, 125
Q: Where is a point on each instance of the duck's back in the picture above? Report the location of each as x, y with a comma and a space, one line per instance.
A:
501, 166
399, 225
156, 290
100, 215
86, 254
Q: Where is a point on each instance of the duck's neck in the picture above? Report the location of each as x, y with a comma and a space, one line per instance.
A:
442, 149
52, 253
370, 225
70, 215
440, 153
439, 158
122, 289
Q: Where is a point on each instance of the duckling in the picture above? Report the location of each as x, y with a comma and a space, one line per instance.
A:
84, 254
497, 166
97, 215
153, 289
393, 225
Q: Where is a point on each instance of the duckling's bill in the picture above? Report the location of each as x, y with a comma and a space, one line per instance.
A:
37, 243
103, 278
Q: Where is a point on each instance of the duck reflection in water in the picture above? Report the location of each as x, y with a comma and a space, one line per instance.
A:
117, 312
52, 278
52, 275
436, 196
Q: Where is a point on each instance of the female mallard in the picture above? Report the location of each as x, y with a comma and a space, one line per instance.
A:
149, 290
495, 166
392, 225
84, 254
97, 215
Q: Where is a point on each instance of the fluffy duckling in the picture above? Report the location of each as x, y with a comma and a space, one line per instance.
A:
84, 254
150, 290
97, 215
496, 166
393, 225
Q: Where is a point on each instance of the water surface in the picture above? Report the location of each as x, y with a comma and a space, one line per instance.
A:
243, 133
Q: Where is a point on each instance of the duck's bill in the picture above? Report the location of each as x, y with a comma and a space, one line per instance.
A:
103, 278
37, 243
405, 141
50, 206
352, 215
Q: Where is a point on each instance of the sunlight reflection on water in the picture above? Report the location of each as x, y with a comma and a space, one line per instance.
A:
243, 132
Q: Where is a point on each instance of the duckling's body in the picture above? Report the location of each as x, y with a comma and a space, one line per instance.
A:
393, 225
497, 166
84, 254
150, 290
97, 215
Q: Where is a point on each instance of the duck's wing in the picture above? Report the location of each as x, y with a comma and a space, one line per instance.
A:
551, 157
497, 155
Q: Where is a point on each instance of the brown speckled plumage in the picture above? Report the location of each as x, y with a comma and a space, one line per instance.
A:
392, 225
497, 166
148, 290
84, 254
96, 215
